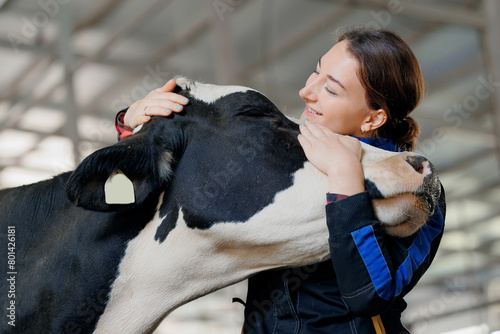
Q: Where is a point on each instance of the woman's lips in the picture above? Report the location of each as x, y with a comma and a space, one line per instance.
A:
312, 111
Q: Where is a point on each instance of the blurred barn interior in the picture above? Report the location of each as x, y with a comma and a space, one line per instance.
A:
68, 66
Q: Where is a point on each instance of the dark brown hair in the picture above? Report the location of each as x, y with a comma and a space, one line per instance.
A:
393, 81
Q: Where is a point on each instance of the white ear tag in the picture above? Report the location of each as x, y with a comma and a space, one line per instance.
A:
118, 189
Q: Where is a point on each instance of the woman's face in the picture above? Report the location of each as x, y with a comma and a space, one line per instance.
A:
334, 95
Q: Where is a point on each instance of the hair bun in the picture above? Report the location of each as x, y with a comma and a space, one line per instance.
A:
409, 133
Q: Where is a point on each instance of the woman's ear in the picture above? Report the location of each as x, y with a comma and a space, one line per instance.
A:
375, 120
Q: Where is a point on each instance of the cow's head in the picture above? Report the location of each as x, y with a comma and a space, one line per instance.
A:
404, 188
227, 155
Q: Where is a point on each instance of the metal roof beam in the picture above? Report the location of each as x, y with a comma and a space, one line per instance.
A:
477, 192
98, 14
49, 53
27, 76
467, 273
294, 41
66, 55
432, 12
467, 309
15, 112
492, 56
188, 37
465, 161
474, 224
49, 50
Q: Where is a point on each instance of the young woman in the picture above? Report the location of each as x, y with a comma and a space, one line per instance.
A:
363, 89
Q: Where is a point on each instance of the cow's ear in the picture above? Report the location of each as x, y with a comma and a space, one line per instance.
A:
146, 165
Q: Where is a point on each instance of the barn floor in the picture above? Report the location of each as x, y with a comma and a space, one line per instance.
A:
212, 314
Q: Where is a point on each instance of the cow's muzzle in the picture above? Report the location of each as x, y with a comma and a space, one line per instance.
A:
430, 190
413, 194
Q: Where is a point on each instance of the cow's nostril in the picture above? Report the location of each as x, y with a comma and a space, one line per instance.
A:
420, 164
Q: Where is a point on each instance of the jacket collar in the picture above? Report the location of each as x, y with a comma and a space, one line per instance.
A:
382, 143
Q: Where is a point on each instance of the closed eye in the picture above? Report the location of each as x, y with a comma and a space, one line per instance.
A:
329, 90
316, 71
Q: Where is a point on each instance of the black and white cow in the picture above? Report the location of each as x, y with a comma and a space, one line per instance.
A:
222, 191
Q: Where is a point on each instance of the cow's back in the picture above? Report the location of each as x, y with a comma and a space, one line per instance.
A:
61, 259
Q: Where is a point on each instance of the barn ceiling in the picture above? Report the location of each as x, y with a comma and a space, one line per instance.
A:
68, 66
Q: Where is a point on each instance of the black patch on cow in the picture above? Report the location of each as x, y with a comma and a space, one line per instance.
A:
168, 223
430, 198
240, 144
372, 190
169, 212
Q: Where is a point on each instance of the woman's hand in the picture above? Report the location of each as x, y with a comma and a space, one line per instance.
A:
337, 156
159, 102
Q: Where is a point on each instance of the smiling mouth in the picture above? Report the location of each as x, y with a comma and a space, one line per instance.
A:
312, 111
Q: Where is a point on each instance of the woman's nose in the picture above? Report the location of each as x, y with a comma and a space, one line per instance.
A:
308, 92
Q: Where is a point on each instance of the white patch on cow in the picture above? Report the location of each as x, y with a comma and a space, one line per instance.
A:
294, 119
137, 129
406, 213
209, 93
165, 165
155, 278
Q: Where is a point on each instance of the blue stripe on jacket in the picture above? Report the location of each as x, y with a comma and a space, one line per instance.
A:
386, 286
366, 242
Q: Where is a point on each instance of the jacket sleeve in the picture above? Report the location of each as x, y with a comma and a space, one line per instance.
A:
374, 269
123, 131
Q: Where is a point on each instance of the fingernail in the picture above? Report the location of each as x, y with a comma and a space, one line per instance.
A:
146, 117
185, 101
305, 119
168, 111
302, 124
178, 107
299, 135
315, 122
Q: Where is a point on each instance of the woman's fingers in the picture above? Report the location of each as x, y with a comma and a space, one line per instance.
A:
326, 149
164, 105
307, 138
314, 131
304, 141
325, 130
166, 101
159, 102
169, 86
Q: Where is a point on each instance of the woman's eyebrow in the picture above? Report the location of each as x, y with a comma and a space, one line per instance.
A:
331, 78
336, 81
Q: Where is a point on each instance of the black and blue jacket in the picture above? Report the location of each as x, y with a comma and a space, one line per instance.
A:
360, 289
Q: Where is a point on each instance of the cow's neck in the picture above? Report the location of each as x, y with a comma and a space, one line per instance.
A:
157, 277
